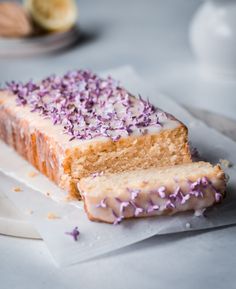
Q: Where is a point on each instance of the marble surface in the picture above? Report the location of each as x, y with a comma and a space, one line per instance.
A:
153, 37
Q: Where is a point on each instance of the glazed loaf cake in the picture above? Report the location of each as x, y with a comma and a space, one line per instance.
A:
72, 126
156, 191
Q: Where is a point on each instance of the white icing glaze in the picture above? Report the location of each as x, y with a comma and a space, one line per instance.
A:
197, 204
56, 131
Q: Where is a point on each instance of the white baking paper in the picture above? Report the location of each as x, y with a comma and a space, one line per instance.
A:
98, 238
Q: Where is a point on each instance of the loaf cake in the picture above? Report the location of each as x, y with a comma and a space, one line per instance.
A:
156, 191
73, 126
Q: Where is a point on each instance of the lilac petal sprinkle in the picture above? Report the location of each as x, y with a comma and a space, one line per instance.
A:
74, 233
97, 174
102, 203
86, 105
197, 193
205, 181
176, 195
134, 193
185, 198
124, 205
194, 185
152, 207
161, 192
218, 197
118, 219
169, 205
138, 211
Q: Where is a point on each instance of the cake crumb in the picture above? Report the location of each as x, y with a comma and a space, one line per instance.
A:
199, 212
225, 163
29, 212
32, 174
188, 225
52, 216
17, 189
69, 198
48, 194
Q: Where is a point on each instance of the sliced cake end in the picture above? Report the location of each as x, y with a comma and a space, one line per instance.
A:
157, 191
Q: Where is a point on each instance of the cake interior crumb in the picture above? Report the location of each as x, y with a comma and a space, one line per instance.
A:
32, 174
52, 216
17, 189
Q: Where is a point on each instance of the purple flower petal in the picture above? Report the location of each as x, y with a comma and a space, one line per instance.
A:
102, 203
169, 205
218, 197
86, 105
138, 211
161, 192
74, 233
118, 219
134, 193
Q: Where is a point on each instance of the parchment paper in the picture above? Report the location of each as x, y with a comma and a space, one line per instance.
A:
98, 238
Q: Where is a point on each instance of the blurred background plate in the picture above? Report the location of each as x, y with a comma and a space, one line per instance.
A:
39, 44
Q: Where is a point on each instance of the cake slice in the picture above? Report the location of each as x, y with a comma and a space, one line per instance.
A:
75, 125
156, 191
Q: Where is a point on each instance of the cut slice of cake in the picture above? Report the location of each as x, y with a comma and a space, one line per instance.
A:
156, 191
75, 125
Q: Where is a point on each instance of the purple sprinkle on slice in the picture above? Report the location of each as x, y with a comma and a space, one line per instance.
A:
218, 197
134, 193
152, 207
102, 203
197, 193
97, 174
118, 219
205, 181
74, 233
138, 211
185, 198
169, 205
124, 205
161, 192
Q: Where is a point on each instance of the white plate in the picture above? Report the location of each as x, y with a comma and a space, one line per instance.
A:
38, 44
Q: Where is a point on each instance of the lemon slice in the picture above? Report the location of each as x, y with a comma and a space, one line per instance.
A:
53, 15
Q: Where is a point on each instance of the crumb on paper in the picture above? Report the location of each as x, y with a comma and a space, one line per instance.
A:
29, 212
32, 174
52, 216
48, 194
225, 163
188, 225
17, 189
68, 198
199, 212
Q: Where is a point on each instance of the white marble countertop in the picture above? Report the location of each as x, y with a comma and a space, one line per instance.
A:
151, 36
